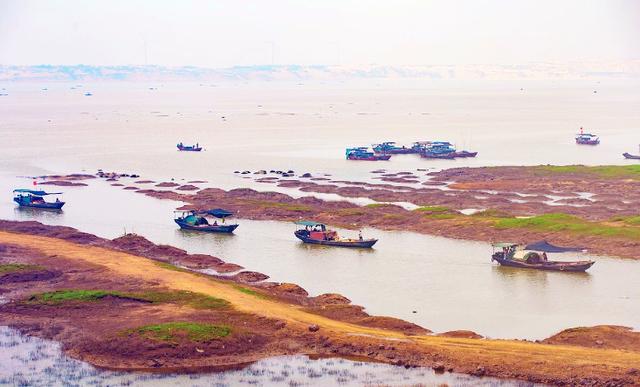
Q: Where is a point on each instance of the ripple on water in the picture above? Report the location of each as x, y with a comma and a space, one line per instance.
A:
30, 361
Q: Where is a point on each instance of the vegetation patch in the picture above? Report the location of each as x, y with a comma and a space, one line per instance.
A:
352, 212
492, 213
380, 205
631, 220
433, 209
195, 300
250, 292
170, 266
440, 216
605, 171
18, 267
563, 222
192, 331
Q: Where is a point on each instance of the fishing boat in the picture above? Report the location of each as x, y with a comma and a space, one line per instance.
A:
464, 153
189, 148
318, 234
362, 153
197, 221
35, 199
630, 156
583, 138
391, 148
438, 150
513, 255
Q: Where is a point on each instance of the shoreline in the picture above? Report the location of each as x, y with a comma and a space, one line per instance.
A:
275, 312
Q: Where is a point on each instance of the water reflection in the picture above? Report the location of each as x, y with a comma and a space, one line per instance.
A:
30, 361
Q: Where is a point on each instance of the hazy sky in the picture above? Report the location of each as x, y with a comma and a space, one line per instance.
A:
349, 32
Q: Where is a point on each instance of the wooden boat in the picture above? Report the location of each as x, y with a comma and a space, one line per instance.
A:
587, 138
35, 199
317, 234
391, 148
189, 148
511, 256
630, 156
465, 153
197, 221
362, 154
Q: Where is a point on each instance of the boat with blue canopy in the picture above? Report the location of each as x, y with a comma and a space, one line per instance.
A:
189, 148
318, 234
390, 147
35, 199
197, 221
583, 138
362, 153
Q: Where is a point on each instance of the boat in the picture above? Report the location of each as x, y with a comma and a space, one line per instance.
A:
391, 148
630, 156
35, 199
318, 234
189, 148
587, 138
363, 153
438, 150
197, 221
511, 254
464, 153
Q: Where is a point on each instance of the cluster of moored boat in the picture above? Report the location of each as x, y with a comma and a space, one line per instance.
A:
215, 221
426, 149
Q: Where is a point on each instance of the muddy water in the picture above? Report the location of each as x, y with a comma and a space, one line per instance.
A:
30, 361
439, 283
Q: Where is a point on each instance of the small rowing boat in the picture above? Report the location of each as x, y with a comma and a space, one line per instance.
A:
512, 255
630, 156
35, 199
318, 234
189, 148
197, 221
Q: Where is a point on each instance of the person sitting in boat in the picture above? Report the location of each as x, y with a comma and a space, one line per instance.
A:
360, 235
544, 257
215, 222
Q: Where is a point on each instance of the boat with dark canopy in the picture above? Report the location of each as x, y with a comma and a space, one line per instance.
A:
189, 148
511, 254
197, 221
35, 199
318, 234
630, 156
363, 154
583, 138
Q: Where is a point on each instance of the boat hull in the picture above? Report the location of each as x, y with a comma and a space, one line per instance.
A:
587, 142
578, 266
189, 149
224, 228
630, 156
370, 158
445, 156
366, 243
44, 206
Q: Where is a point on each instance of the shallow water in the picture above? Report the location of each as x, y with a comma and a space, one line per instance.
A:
30, 361
450, 284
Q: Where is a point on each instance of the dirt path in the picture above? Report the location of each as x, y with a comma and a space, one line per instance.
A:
520, 358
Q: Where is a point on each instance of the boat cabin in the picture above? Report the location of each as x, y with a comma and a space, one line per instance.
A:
316, 231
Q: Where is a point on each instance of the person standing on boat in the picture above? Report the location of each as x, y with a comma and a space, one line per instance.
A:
360, 234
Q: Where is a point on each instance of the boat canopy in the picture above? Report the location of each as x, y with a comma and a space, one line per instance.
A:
35, 192
219, 213
504, 244
549, 248
309, 223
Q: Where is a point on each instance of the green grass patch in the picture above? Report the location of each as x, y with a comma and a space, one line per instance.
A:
492, 213
568, 223
432, 209
379, 205
16, 267
631, 220
169, 266
351, 212
195, 300
250, 292
193, 331
439, 216
605, 171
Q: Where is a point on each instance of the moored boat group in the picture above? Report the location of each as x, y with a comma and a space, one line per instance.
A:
426, 149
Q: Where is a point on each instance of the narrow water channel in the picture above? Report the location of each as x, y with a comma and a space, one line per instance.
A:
439, 283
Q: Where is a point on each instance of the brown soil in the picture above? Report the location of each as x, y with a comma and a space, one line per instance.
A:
167, 184
187, 187
63, 183
262, 322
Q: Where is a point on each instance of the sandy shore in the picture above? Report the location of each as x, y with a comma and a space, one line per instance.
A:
123, 304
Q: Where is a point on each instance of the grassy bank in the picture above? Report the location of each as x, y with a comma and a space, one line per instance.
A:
193, 331
602, 171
